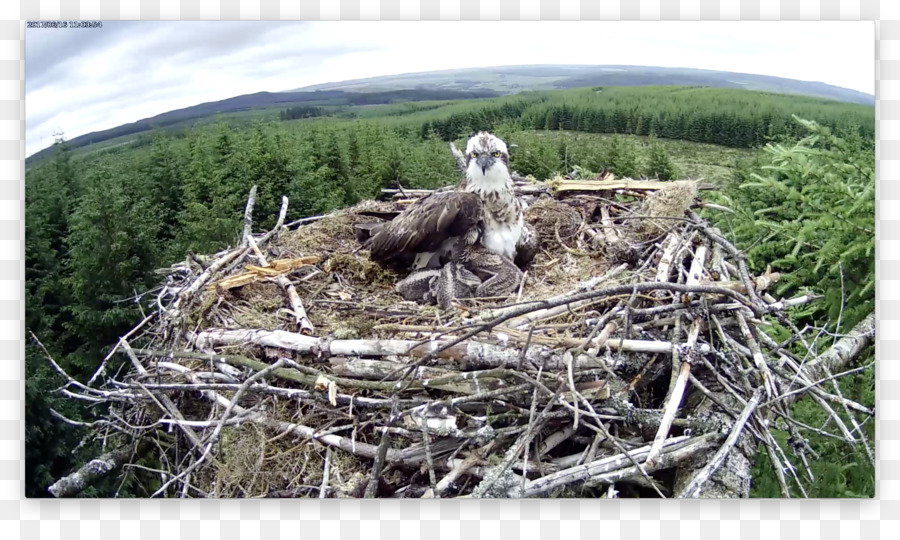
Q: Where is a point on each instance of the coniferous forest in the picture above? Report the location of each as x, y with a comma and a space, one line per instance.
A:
798, 171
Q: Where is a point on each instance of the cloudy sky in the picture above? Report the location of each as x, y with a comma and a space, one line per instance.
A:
84, 80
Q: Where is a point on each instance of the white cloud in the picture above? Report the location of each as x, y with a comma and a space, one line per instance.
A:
86, 82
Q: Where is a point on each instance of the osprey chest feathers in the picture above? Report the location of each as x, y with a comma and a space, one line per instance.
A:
503, 217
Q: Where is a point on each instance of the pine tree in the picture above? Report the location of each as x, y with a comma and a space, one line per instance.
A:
659, 163
268, 169
215, 192
164, 190
112, 257
431, 165
621, 157
363, 146
49, 443
814, 206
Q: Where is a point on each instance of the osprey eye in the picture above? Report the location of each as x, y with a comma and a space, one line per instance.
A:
474, 154
496, 154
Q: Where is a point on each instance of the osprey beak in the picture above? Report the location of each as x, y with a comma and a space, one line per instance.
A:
484, 161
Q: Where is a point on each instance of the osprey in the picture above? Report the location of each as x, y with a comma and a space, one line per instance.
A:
482, 209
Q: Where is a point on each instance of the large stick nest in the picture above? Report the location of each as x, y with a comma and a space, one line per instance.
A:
289, 366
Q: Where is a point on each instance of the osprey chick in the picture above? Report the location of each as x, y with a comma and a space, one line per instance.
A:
487, 175
484, 208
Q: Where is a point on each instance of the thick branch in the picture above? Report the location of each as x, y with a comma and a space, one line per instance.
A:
844, 351
693, 487
94, 471
607, 465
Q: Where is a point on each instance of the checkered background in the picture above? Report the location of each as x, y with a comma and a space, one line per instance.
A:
350, 519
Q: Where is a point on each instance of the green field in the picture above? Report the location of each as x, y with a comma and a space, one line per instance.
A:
102, 218
693, 160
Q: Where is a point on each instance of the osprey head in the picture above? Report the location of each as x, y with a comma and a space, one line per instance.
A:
486, 153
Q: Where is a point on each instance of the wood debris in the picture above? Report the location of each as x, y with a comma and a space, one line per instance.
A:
253, 274
631, 366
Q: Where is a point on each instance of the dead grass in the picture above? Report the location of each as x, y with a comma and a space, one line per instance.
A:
672, 202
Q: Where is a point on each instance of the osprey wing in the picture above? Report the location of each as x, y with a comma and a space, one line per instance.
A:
527, 246
425, 225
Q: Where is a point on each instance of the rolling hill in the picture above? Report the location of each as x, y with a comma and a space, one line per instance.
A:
267, 100
512, 79
466, 84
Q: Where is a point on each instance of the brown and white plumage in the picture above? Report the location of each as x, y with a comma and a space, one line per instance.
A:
484, 208
429, 229
488, 176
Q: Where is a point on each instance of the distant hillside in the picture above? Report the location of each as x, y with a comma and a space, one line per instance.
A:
267, 100
512, 79
463, 84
